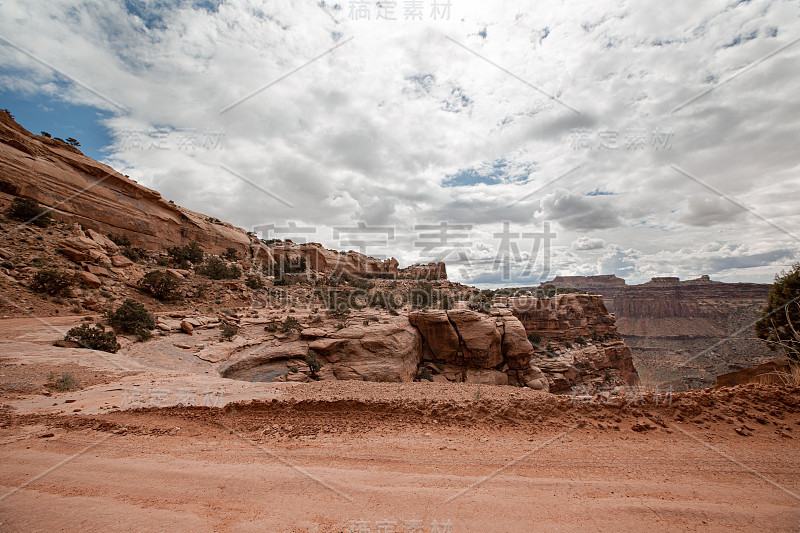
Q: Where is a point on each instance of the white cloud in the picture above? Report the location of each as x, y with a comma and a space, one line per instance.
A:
585, 244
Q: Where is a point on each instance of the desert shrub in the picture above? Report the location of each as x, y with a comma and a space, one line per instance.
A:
780, 319
29, 210
216, 268
132, 317
133, 253
422, 295
580, 341
231, 254
568, 345
445, 302
362, 284
120, 240
190, 252
313, 362
535, 339
337, 301
425, 374
94, 337
254, 282
64, 382
271, 328
290, 323
382, 299
481, 303
52, 281
162, 286
227, 331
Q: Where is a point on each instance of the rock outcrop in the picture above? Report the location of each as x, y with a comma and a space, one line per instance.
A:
379, 352
564, 317
458, 345
587, 350
464, 345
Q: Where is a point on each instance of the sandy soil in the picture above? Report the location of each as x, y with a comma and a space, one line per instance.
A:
157, 446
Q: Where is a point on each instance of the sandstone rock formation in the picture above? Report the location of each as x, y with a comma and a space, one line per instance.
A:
473, 347
380, 352
591, 352
565, 317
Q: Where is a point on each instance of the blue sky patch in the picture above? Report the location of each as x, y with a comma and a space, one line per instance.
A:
37, 113
498, 171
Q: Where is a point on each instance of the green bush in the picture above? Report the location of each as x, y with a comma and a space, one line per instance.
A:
65, 382
216, 268
191, 252
231, 254
227, 331
94, 337
581, 341
254, 282
162, 286
132, 317
29, 210
120, 240
133, 253
52, 281
535, 339
481, 303
313, 362
290, 323
780, 319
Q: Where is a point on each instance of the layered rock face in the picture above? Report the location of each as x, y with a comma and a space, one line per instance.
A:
81, 190
381, 352
565, 317
592, 352
684, 333
466, 346
451, 346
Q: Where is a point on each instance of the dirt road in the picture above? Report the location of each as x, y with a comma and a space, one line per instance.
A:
299, 464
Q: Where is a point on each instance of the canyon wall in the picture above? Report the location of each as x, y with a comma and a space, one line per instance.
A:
684, 333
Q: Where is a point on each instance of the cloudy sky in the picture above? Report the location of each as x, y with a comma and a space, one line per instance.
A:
513, 140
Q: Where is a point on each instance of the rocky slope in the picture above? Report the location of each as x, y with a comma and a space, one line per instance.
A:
683, 333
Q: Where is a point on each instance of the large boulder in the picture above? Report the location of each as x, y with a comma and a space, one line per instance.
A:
517, 349
440, 340
378, 352
266, 362
481, 340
